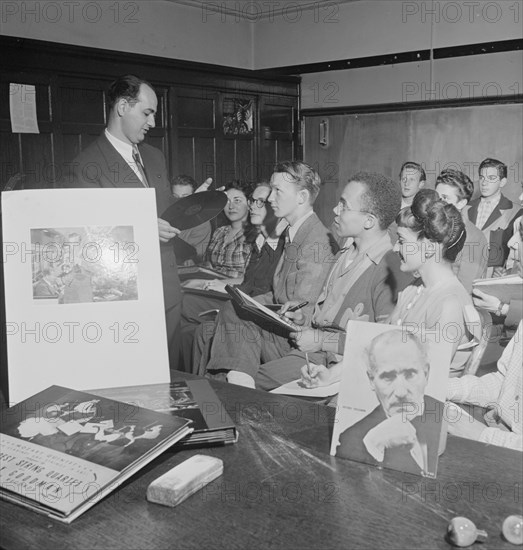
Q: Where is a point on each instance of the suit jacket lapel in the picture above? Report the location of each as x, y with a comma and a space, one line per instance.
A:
116, 170
503, 204
473, 211
291, 251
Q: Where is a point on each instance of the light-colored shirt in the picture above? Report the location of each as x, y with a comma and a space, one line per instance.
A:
293, 229
486, 207
438, 312
501, 392
126, 151
272, 240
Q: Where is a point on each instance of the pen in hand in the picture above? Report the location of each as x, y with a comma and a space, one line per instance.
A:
308, 364
297, 306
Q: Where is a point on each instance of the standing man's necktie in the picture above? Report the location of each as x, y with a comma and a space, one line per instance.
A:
139, 165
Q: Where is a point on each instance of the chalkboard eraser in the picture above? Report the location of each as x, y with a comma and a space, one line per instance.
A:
184, 480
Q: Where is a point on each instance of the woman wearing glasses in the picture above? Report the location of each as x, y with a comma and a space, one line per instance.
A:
261, 236
262, 228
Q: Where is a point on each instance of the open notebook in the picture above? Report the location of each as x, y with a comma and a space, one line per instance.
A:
262, 314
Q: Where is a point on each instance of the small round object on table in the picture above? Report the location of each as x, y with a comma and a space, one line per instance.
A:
462, 532
513, 529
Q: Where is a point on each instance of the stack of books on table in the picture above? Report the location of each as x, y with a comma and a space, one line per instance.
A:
63, 450
194, 400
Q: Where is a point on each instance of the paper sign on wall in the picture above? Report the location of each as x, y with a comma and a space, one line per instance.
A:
22, 106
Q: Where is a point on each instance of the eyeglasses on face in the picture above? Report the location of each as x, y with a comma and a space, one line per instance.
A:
342, 207
491, 177
260, 203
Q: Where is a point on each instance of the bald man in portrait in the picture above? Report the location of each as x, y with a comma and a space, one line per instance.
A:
403, 431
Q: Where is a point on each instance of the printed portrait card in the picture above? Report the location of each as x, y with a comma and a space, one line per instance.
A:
391, 402
83, 289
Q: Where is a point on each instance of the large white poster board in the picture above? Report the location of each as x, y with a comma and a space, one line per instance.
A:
83, 289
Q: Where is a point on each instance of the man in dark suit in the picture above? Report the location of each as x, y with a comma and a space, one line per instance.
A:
403, 431
116, 160
493, 213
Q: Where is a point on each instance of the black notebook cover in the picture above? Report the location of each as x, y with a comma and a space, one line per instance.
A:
194, 400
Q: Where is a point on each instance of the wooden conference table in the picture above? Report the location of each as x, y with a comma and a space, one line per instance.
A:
281, 489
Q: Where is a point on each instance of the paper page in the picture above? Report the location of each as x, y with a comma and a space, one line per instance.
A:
508, 280
296, 388
22, 106
83, 288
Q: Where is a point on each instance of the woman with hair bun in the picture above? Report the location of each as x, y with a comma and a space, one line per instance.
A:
431, 234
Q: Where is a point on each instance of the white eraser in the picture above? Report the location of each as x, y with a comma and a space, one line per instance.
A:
184, 480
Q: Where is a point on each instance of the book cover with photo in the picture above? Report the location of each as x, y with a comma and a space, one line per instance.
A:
64, 450
194, 400
73, 265
391, 402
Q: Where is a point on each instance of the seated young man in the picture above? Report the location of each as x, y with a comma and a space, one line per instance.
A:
412, 179
455, 187
493, 213
362, 284
299, 275
505, 314
199, 236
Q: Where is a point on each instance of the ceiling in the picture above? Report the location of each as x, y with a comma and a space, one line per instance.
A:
254, 10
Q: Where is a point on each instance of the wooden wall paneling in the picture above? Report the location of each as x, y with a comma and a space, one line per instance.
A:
226, 164
159, 135
196, 109
285, 150
244, 160
204, 158
72, 81
82, 101
38, 159
10, 159
80, 117
268, 155
29, 154
196, 157
278, 132
194, 134
185, 157
242, 165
